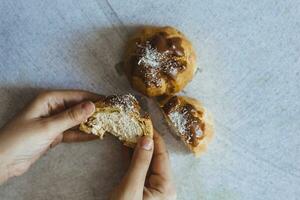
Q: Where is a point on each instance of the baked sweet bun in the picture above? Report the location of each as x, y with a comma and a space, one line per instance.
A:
189, 120
121, 116
159, 61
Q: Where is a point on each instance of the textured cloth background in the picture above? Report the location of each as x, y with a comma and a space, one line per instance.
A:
248, 77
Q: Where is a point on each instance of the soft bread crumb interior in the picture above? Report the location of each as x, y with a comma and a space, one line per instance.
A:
120, 124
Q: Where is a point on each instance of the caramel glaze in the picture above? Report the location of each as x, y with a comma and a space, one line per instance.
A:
169, 66
127, 102
194, 127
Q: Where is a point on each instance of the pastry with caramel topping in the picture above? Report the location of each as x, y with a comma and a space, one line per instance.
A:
119, 115
159, 61
190, 121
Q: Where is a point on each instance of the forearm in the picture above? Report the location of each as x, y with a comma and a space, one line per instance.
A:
4, 162
4, 174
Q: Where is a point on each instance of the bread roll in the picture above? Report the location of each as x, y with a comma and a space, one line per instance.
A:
159, 61
119, 115
189, 120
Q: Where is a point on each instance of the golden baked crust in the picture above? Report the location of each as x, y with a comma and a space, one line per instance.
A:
119, 106
159, 60
190, 120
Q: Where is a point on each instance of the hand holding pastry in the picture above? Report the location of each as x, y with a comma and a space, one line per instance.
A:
149, 175
40, 126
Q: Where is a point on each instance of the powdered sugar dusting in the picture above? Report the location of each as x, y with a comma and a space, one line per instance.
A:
150, 57
179, 120
126, 101
199, 132
156, 60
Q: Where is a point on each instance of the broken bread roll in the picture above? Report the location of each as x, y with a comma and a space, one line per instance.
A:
189, 120
121, 116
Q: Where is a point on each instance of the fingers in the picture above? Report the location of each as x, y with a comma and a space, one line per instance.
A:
132, 184
71, 136
49, 102
126, 156
140, 162
159, 185
56, 141
160, 163
77, 136
69, 118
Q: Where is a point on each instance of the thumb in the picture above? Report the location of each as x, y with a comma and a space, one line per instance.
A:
71, 117
140, 162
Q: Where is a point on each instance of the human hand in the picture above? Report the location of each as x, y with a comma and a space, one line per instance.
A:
146, 179
44, 123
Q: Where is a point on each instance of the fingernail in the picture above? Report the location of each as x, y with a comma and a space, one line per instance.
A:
88, 107
146, 143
